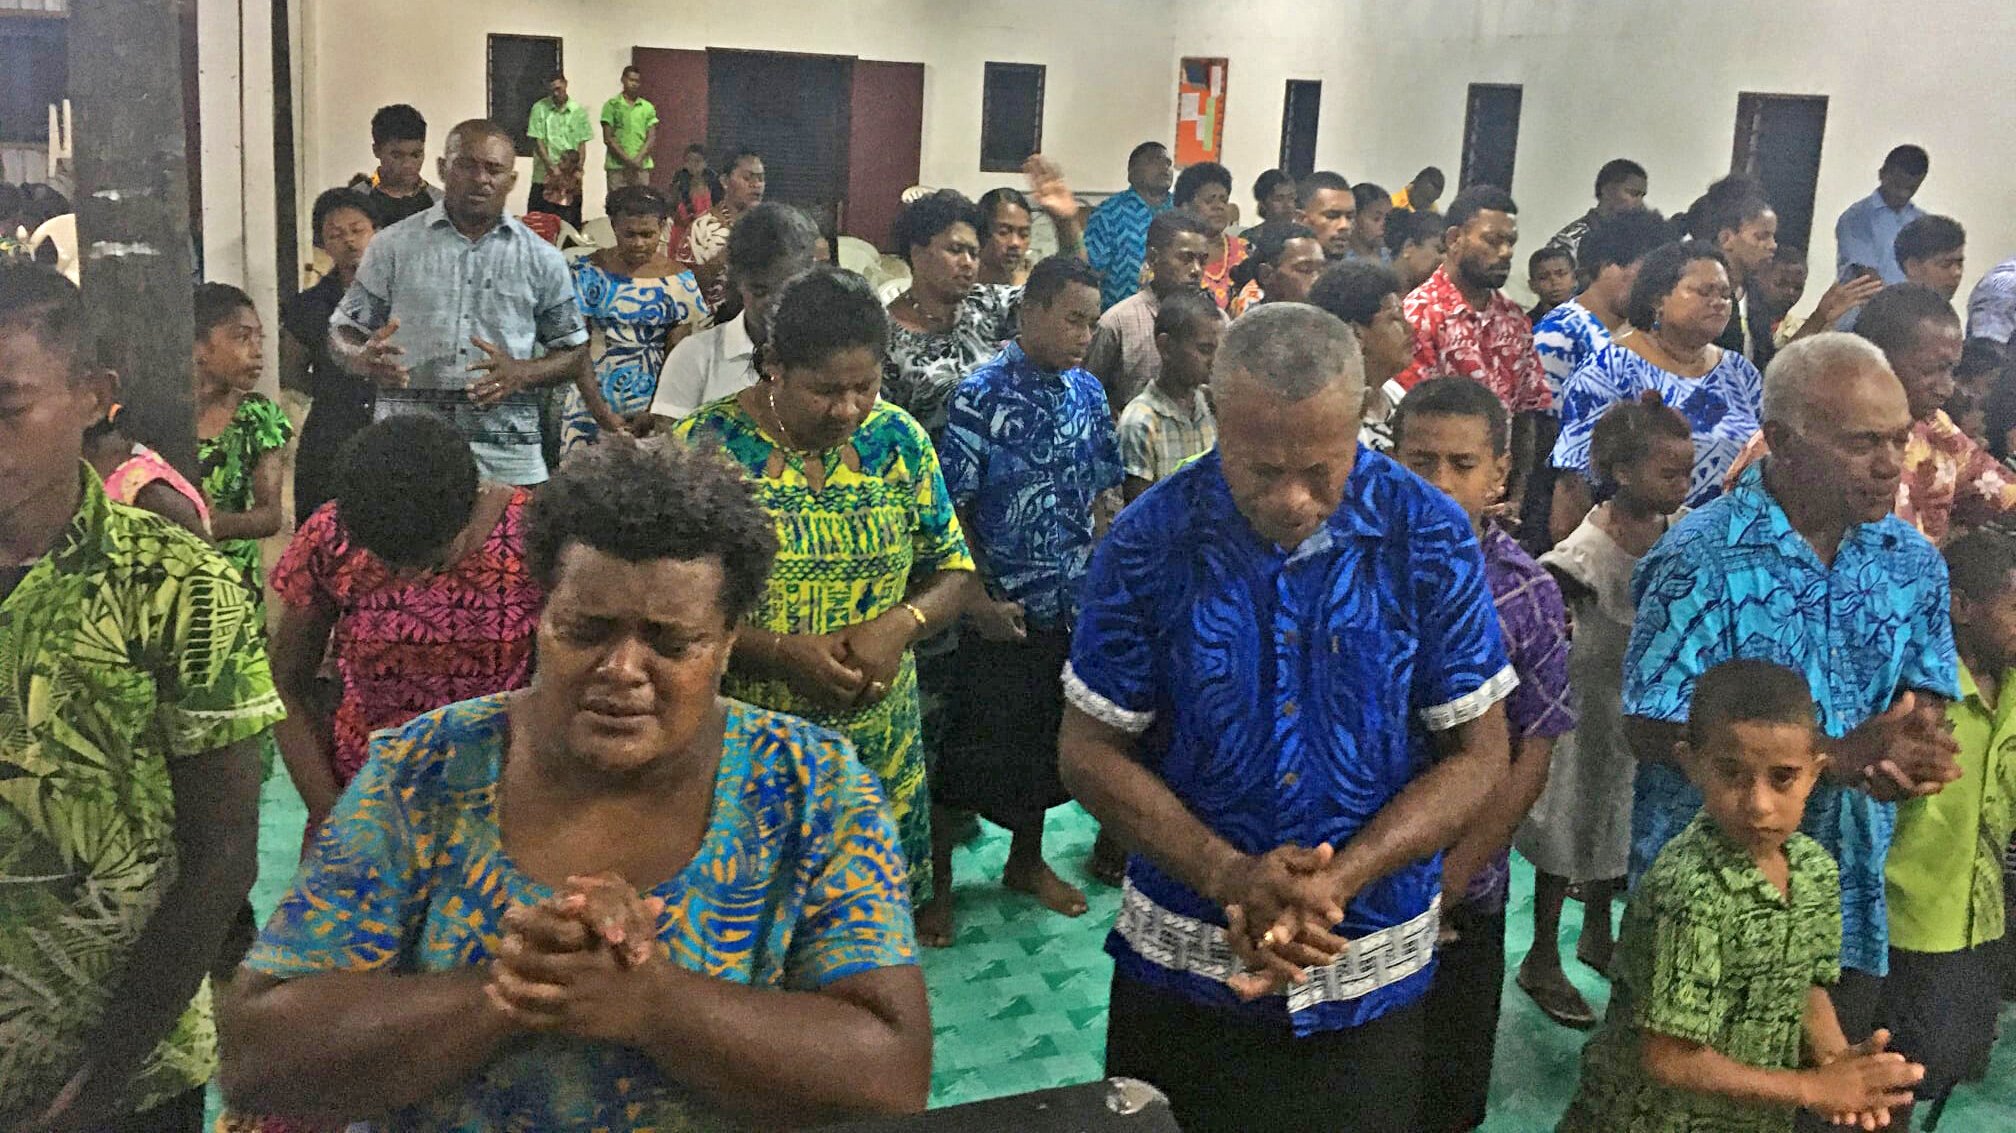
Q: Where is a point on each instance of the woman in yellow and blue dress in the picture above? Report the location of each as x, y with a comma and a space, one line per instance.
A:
870, 556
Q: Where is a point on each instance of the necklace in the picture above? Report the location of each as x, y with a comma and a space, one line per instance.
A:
783, 430
928, 317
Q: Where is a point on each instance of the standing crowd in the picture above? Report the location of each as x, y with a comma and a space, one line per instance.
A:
635, 737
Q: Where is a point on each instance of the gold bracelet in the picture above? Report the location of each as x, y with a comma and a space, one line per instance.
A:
922, 621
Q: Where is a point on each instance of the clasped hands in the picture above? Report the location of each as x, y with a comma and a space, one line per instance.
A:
1907, 752
852, 668
576, 962
1282, 909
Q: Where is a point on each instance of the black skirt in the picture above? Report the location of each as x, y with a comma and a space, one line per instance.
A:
999, 757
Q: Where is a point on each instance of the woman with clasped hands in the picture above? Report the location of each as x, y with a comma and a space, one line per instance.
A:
614, 900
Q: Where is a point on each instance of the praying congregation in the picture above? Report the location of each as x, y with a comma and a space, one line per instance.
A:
1361, 569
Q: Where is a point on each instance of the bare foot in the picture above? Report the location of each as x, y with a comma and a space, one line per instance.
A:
934, 923
1042, 883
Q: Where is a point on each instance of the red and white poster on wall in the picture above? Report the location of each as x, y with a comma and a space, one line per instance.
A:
1200, 111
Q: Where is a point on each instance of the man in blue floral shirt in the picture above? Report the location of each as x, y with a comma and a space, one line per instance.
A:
1028, 449
1803, 565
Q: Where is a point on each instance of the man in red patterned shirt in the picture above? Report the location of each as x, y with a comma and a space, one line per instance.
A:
1466, 327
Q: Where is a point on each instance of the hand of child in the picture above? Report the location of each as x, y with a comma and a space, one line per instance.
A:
1863, 1083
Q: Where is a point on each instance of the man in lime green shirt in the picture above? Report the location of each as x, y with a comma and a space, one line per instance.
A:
1943, 881
560, 133
630, 130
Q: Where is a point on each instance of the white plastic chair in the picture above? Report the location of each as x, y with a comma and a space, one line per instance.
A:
858, 256
62, 232
599, 232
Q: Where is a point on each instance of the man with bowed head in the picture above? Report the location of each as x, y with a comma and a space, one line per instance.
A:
1284, 692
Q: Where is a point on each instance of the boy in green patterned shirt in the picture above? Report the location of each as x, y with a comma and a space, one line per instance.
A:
1720, 1019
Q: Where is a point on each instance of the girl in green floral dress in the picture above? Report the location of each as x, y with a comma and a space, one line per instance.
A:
870, 557
239, 434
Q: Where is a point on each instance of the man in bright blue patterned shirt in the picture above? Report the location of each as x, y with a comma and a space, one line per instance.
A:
1285, 696
1116, 238
1803, 565
1028, 450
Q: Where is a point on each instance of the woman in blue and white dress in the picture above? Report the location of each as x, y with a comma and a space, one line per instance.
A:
638, 303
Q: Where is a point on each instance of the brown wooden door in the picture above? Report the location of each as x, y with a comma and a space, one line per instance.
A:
675, 80
886, 149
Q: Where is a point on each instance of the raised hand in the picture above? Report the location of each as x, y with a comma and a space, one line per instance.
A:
383, 361
1844, 297
1047, 188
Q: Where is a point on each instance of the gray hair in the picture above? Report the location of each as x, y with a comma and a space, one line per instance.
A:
1803, 367
1292, 350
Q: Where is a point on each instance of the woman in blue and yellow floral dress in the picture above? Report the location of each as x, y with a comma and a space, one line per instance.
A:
639, 303
870, 557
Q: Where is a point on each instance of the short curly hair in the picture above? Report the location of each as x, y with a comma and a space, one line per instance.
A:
924, 218
405, 486
641, 503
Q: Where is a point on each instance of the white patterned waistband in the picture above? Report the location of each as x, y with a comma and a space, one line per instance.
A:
1185, 944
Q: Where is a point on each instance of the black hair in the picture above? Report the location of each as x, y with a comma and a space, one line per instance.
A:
1928, 236
1052, 274
992, 202
1265, 184
1432, 174
1479, 199
824, 311
1194, 178
1413, 226
1354, 290
397, 123
1747, 692
636, 200
1999, 415
1170, 224
215, 303
1894, 317
632, 69
737, 158
1660, 273
1143, 150
556, 77
1264, 245
1367, 194
1789, 253
1547, 252
1727, 206
1624, 434
1982, 563
924, 218
1982, 356
696, 147
405, 486
1617, 170
1185, 309
1620, 241
679, 502
1961, 402
1910, 160
768, 235
1323, 180
331, 201
40, 299
1454, 397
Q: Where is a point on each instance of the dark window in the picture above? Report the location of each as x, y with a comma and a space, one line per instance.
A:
520, 68
34, 72
1778, 142
795, 110
1298, 127
1011, 116
1491, 135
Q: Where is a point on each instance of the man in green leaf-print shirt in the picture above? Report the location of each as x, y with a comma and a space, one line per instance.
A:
133, 681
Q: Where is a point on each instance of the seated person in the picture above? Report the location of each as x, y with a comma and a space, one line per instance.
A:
743, 957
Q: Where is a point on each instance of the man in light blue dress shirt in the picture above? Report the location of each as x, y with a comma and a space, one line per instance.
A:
1866, 234
463, 312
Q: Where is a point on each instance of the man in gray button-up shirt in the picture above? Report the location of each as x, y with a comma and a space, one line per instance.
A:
451, 306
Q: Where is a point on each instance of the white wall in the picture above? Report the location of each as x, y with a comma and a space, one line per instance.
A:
1603, 78
1656, 82
1110, 67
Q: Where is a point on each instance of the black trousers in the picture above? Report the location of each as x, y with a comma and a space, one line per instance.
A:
182, 1113
537, 202
1231, 1075
1462, 1025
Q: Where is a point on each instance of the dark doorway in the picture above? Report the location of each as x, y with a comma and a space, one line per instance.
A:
1778, 142
795, 110
1491, 135
1299, 110
520, 68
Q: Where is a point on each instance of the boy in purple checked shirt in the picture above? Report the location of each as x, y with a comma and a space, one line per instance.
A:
1455, 434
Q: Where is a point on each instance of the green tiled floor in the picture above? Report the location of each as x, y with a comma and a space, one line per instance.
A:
1019, 1002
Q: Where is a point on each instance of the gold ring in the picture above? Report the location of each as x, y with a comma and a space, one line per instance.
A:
1267, 939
